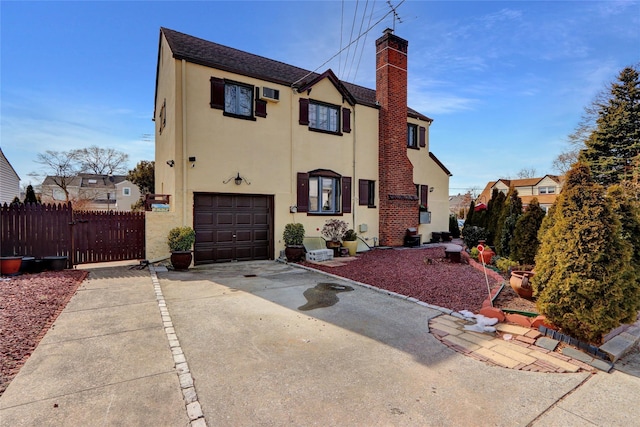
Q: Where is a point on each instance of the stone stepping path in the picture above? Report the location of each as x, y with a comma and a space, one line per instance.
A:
511, 346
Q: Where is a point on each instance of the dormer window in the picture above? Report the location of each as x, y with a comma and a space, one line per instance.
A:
324, 117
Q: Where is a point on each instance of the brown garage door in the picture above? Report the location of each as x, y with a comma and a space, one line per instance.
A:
232, 227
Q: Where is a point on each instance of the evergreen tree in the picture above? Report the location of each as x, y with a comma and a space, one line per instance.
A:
628, 210
494, 209
613, 148
525, 237
469, 220
583, 266
454, 229
30, 196
143, 176
506, 225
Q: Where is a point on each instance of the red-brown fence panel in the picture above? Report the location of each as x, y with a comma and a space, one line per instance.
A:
82, 236
36, 230
108, 236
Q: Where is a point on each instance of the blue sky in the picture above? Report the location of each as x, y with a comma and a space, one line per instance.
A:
505, 82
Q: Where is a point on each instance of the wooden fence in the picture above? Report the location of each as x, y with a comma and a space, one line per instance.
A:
82, 236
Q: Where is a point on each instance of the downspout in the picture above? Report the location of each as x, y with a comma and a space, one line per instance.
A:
354, 183
184, 142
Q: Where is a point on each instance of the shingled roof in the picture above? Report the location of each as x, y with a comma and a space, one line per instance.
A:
209, 54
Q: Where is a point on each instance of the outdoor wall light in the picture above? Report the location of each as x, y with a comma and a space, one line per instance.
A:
430, 189
237, 179
171, 163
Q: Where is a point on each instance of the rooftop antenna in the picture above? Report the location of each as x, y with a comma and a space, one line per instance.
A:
395, 14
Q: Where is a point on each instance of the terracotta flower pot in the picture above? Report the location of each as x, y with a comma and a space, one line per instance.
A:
520, 282
10, 265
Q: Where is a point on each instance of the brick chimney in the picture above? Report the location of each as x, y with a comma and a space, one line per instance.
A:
398, 196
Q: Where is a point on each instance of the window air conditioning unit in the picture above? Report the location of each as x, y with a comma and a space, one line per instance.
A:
269, 94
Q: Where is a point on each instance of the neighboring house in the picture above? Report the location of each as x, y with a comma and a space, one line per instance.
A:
246, 144
9, 181
93, 192
545, 189
459, 204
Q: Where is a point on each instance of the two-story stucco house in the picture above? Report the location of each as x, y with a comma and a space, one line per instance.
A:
9, 181
545, 189
246, 144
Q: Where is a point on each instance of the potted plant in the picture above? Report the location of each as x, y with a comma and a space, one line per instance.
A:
350, 241
333, 230
180, 241
293, 237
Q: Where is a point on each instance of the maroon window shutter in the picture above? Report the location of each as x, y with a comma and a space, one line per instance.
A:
261, 108
304, 111
346, 194
423, 136
346, 120
363, 192
424, 195
303, 192
217, 93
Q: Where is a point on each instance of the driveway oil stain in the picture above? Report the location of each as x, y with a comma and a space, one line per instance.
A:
323, 295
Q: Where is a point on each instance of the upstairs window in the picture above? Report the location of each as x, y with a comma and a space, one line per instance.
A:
412, 136
238, 99
323, 117
416, 136
546, 190
126, 191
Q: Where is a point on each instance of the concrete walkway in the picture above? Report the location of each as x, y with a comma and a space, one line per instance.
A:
228, 345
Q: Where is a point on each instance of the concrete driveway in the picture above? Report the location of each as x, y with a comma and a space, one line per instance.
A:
228, 345
367, 360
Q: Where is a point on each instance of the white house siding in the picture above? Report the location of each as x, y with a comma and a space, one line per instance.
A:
9, 181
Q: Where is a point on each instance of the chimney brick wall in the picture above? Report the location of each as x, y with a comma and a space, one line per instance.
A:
398, 197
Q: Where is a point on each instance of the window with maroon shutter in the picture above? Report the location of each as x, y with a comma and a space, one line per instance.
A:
423, 136
346, 120
346, 194
302, 189
304, 111
217, 93
424, 196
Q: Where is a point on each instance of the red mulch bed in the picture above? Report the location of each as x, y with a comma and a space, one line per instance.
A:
29, 304
424, 274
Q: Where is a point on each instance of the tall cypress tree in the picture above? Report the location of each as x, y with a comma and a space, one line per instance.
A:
583, 265
506, 225
525, 237
613, 148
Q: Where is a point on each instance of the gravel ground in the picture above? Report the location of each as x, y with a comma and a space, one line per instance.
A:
29, 304
420, 273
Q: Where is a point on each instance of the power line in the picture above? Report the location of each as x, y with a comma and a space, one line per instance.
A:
341, 50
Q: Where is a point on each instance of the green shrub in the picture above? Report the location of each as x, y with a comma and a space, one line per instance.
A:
504, 264
584, 280
181, 238
454, 229
472, 234
293, 234
474, 253
350, 235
